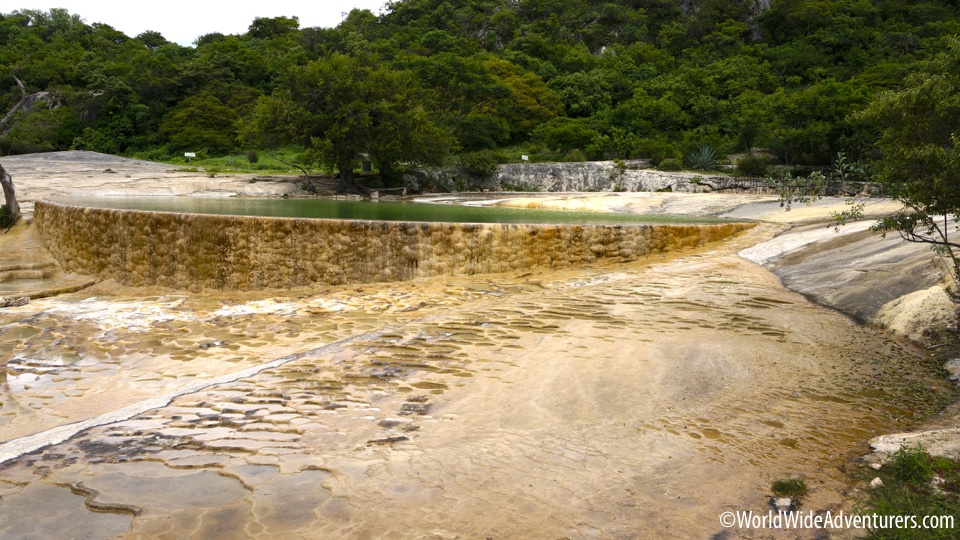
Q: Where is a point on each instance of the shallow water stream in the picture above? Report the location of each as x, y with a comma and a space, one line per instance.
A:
627, 401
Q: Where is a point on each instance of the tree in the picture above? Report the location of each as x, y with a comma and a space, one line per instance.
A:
920, 154
11, 209
270, 27
152, 39
201, 122
343, 108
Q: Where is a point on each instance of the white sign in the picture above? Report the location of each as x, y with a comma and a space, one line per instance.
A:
524, 157
189, 154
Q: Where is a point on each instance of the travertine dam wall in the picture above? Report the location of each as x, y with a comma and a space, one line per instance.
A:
194, 251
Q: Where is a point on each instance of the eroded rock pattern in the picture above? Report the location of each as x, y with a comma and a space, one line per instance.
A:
624, 401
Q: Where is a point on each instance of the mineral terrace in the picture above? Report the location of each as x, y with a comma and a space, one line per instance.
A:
609, 400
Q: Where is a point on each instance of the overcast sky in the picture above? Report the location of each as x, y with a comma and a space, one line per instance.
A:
183, 21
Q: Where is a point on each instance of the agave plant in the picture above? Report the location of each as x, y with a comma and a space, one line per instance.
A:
703, 158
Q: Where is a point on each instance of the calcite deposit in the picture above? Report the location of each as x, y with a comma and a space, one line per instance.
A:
613, 401
628, 395
193, 251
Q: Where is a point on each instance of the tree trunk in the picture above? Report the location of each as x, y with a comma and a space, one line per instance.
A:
9, 193
346, 180
9, 196
349, 185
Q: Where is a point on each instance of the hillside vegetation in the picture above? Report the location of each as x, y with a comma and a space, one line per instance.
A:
482, 80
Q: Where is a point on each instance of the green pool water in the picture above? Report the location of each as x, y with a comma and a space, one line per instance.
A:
370, 210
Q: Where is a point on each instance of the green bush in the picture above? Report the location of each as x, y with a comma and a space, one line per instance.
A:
754, 166
563, 135
253, 157
912, 465
670, 164
162, 153
481, 163
509, 186
575, 155
656, 150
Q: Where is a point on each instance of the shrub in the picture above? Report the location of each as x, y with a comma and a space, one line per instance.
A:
575, 155
670, 164
912, 465
656, 150
481, 163
751, 166
703, 158
509, 186
253, 157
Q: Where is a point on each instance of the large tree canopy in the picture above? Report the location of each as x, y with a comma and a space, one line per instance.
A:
344, 108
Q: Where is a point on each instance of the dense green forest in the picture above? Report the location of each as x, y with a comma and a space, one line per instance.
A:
480, 80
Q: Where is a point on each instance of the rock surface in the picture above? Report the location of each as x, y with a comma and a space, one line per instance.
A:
39, 176
642, 398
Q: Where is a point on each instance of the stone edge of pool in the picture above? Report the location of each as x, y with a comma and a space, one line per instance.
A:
209, 251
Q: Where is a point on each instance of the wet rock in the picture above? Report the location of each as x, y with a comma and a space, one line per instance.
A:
393, 422
209, 344
388, 372
389, 440
11, 301
953, 369
334, 406
414, 408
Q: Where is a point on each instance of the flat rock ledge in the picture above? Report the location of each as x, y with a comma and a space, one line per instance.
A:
938, 442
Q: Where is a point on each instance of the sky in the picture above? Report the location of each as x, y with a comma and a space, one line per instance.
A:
183, 21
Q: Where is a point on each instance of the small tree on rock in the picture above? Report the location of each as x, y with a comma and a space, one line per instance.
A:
920, 155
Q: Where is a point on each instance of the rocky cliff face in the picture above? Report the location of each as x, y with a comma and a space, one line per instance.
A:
590, 176
608, 176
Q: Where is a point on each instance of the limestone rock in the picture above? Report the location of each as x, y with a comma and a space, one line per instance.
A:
782, 504
14, 301
953, 369
936, 442
919, 316
876, 483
